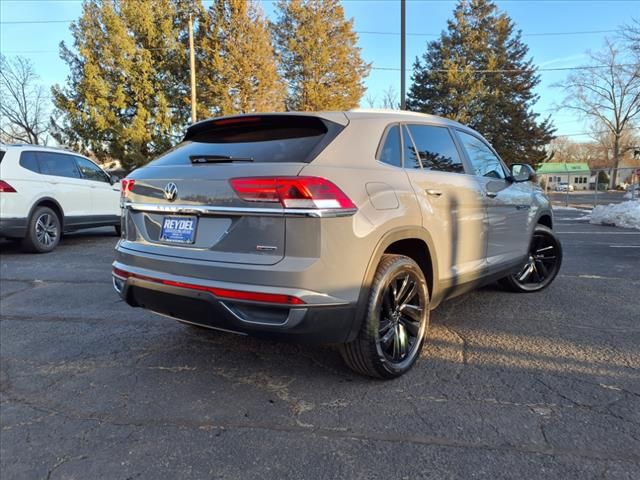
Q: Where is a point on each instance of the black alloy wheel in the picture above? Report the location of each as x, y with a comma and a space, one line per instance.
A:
400, 317
542, 266
394, 328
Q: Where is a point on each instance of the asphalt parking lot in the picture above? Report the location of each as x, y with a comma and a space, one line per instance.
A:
544, 385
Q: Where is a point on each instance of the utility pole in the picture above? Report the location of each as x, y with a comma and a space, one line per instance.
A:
403, 38
192, 68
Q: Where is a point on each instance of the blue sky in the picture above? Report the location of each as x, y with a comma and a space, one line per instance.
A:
425, 20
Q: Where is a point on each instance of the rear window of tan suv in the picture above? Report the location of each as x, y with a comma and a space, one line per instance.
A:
259, 138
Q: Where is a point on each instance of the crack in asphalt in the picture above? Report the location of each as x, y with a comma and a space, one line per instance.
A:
568, 410
603, 409
62, 461
335, 434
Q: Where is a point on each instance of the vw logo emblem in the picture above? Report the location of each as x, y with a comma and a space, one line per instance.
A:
171, 191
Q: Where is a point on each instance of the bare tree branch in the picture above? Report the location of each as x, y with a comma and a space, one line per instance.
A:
390, 98
609, 97
23, 103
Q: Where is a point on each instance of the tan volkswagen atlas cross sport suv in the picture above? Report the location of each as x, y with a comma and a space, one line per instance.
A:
338, 227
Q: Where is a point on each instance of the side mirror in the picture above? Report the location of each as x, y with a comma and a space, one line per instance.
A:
113, 179
521, 172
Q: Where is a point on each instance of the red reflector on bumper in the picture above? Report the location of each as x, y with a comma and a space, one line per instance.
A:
218, 292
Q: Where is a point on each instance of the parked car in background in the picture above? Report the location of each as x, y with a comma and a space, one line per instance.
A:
337, 227
564, 187
47, 191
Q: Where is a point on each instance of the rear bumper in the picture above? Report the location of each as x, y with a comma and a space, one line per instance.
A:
321, 319
13, 227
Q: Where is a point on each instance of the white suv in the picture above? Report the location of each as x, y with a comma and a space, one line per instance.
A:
46, 191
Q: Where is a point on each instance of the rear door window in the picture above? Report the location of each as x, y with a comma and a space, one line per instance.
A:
436, 148
29, 160
1, 155
58, 164
391, 153
259, 139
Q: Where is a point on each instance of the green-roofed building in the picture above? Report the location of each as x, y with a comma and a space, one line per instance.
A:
556, 173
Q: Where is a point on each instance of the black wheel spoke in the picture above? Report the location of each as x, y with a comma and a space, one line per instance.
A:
403, 341
385, 325
535, 275
393, 291
542, 269
412, 311
396, 344
412, 326
398, 295
410, 294
388, 337
524, 273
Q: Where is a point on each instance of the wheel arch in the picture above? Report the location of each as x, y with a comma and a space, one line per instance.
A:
545, 218
52, 204
415, 243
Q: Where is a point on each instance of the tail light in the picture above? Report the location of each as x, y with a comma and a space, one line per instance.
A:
126, 185
292, 192
6, 188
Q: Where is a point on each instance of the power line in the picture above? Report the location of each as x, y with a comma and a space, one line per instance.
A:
480, 70
26, 22
396, 69
535, 34
363, 32
577, 134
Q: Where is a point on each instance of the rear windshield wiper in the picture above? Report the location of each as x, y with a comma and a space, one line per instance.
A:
218, 159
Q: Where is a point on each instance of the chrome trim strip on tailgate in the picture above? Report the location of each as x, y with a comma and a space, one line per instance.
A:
207, 210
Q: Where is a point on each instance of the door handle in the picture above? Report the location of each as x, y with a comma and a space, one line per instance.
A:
491, 194
434, 193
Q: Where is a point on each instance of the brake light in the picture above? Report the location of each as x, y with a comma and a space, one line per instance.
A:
236, 120
218, 292
6, 188
126, 185
292, 192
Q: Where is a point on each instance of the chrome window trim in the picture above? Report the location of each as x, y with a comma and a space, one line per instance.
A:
208, 210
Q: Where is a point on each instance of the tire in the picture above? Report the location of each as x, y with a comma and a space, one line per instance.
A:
43, 231
118, 230
545, 260
374, 353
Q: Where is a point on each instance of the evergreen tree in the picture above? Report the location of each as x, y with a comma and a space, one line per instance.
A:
457, 79
236, 68
319, 58
126, 95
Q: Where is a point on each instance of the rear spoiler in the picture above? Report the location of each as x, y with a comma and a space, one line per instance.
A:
265, 127
265, 120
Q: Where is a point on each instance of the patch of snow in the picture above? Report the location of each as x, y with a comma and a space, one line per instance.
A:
568, 209
625, 214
